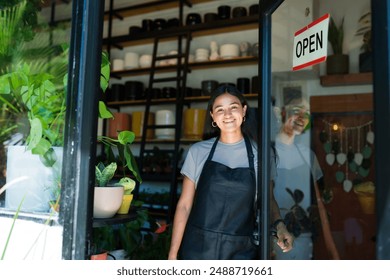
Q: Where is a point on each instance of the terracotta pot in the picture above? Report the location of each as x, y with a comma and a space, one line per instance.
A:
121, 121
101, 256
194, 123
138, 123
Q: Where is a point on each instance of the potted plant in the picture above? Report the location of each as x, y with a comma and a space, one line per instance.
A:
118, 150
33, 106
128, 186
338, 62
107, 197
365, 58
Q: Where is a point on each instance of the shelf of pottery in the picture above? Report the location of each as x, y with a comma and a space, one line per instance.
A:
220, 44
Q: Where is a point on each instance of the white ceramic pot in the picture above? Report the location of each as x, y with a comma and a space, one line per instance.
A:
118, 64
228, 51
107, 201
145, 61
165, 117
27, 177
131, 60
202, 54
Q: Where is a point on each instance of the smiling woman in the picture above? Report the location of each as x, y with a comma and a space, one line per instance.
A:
217, 206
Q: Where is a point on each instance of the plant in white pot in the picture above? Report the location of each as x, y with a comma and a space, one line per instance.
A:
107, 198
338, 62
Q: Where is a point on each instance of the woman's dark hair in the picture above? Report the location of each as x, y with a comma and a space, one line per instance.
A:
249, 127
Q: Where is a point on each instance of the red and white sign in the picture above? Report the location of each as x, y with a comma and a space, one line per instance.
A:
311, 43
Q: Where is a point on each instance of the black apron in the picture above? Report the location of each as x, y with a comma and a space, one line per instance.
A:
221, 221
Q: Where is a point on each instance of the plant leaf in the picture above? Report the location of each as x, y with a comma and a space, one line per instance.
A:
104, 113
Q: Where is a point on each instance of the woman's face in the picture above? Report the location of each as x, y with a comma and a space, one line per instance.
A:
296, 119
228, 112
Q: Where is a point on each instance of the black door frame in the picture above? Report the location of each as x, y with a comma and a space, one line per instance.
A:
381, 96
80, 141
78, 171
267, 7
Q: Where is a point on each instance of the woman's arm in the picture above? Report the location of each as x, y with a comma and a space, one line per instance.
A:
285, 238
183, 209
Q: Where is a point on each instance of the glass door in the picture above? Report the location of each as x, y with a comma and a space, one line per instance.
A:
321, 122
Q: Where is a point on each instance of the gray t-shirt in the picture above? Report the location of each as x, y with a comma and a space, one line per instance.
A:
232, 155
294, 164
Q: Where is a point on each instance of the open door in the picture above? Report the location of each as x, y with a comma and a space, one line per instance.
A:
325, 126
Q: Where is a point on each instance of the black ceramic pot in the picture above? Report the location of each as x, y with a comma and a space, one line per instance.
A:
210, 17
365, 62
208, 86
255, 84
224, 12
168, 92
193, 18
196, 92
155, 92
159, 24
147, 25
117, 92
173, 23
243, 85
239, 12
135, 30
254, 10
188, 92
226, 84
134, 90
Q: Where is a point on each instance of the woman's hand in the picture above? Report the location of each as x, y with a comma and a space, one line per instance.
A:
285, 238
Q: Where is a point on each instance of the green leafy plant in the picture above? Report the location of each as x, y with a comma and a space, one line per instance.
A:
336, 36
18, 20
297, 221
104, 175
128, 184
365, 31
120, 149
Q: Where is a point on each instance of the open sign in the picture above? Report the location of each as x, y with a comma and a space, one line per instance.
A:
311, 43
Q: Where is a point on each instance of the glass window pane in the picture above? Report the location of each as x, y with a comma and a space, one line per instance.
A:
33, 71
322, 124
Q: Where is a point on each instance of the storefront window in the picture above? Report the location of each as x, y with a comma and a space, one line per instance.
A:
33, 75
323, 128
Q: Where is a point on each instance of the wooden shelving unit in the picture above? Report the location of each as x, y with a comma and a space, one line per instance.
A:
346, 80
169, 100
197, 30
239, 61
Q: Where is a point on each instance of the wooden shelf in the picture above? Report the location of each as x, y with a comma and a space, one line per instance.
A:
117, 219
346, 80
148, 7
169, 100
342, 103
197, 30
239, 61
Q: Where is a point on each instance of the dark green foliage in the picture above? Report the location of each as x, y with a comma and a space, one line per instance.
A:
297, 221
336, 36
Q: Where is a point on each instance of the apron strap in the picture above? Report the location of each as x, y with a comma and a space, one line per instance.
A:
249, 150
213, 149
